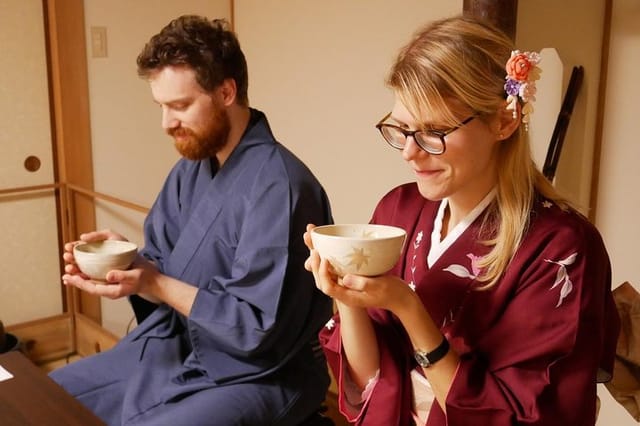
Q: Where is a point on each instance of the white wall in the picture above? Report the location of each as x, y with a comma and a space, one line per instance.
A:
317, 69
618, 195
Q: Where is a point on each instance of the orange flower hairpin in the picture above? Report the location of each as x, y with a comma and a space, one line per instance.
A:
522, 73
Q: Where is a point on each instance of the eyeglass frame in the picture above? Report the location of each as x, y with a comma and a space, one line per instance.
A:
439, 133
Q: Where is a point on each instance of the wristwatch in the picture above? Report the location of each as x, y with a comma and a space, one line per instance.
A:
427, 359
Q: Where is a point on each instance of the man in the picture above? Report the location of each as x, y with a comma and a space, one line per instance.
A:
227, 314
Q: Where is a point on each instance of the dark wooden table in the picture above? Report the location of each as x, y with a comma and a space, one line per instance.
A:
32, 398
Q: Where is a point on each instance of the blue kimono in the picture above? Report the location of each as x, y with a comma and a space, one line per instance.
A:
247, 354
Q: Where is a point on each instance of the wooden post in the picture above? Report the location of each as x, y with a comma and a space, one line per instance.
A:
501, 13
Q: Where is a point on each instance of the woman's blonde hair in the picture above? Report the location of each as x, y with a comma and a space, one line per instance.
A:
463, 60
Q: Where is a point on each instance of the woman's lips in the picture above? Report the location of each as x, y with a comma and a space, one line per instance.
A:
427, 173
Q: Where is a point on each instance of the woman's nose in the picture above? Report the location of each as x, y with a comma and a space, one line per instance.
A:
411, 149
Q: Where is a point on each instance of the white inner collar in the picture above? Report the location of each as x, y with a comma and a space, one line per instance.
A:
439, 245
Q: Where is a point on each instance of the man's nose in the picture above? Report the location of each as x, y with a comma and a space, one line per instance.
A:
169, 121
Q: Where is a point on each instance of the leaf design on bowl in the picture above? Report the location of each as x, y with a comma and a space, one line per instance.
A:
358, 258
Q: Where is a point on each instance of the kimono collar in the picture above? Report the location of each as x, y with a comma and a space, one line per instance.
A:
258, 132
439, 245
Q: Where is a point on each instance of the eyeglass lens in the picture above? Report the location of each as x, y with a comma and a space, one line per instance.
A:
428, 141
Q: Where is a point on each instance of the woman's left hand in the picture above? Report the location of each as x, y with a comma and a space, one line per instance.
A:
384, 291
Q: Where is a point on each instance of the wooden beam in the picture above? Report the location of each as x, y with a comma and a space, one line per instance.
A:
501, 13
602, 89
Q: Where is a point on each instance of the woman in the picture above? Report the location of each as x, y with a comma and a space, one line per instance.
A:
500, 311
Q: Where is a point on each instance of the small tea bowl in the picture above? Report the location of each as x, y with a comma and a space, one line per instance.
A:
97, 258
361, 249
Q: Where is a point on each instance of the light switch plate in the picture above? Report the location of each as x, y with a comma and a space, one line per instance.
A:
99, 42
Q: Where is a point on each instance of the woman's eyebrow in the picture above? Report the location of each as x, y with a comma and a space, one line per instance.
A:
397, 122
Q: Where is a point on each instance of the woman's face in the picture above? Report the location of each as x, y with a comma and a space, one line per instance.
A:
465, 172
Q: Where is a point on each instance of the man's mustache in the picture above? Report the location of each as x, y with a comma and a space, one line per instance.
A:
180, 132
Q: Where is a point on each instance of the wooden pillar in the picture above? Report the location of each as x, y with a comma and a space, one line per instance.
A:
501, 13
71, 129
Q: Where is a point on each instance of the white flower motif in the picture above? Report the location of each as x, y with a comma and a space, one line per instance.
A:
459, 271
412, 267
330, 324
563, 277
547, 204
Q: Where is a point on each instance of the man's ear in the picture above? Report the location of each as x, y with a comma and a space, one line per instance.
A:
508, 120
228, 91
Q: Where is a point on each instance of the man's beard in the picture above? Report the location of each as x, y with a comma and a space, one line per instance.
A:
207, 144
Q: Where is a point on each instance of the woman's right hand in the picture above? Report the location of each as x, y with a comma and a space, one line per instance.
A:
323, 274
307, 241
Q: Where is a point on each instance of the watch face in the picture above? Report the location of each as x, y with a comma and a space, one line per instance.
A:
422, 359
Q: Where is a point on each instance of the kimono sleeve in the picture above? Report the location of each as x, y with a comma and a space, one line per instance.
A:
162, 216
389, 402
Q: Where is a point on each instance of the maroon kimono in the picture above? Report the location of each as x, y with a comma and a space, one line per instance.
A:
531, 349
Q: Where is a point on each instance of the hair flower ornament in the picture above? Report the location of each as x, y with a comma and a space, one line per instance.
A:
522, 73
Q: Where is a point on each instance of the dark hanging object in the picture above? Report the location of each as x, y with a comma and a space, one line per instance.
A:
562, 123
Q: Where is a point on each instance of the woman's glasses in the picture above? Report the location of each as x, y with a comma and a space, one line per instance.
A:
431, 141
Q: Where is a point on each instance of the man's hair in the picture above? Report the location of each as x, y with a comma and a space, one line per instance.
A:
208, 47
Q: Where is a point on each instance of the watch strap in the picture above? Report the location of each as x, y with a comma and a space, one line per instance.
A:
427, 359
